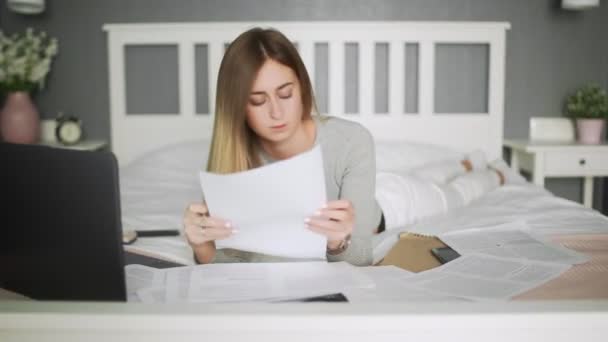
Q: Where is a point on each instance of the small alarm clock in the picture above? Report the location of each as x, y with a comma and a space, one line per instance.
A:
68, 130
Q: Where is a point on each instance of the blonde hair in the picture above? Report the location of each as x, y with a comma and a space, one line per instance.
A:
234, 145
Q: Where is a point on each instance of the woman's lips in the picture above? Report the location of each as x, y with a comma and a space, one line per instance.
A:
279, 126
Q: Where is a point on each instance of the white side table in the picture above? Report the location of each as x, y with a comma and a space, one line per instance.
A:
84, 145
560, 159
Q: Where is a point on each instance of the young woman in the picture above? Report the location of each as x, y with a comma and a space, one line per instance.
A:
264, 113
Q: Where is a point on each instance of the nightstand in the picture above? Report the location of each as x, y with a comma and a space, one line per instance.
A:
560, 159
84, 145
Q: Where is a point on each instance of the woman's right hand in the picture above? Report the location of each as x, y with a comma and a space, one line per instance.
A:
200, 228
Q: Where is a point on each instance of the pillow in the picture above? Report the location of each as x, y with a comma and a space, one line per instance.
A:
180, 155
403, 156
156, 187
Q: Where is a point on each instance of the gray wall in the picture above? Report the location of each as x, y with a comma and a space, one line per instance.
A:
549, 51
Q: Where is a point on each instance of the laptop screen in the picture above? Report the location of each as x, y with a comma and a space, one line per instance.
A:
61, 224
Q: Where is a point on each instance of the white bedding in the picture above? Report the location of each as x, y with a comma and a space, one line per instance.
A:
545, 213
156, 188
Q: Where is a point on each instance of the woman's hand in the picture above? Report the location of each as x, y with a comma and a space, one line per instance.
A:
335, 220
200, 228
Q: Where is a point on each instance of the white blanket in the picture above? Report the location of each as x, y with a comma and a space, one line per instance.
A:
545, 214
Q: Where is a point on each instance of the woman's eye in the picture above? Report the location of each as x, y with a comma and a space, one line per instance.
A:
256, 102
285, 96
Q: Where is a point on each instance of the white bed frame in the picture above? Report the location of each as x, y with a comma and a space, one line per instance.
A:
133, 135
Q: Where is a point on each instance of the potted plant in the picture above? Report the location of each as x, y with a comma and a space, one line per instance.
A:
588, 106
25, 60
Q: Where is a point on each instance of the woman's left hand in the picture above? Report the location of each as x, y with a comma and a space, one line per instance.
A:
335, 221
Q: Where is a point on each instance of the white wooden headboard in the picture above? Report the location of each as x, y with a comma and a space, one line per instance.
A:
132, 135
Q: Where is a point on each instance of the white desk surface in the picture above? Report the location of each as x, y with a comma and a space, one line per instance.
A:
485, 321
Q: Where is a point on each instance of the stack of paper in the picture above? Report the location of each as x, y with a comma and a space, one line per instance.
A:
221, 283
496, 263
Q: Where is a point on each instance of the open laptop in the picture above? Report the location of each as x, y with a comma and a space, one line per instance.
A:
61, 224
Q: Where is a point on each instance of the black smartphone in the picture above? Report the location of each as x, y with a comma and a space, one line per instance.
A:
444, 254
157, 232
334, 297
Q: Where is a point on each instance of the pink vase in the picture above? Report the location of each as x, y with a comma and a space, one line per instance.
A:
590, 130
19, 119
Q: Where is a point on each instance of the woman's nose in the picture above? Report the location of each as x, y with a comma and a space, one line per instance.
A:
276, 112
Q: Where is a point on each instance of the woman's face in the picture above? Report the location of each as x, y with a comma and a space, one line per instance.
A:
274, 108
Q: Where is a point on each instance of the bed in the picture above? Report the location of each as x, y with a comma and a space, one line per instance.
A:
158, 178
404, 139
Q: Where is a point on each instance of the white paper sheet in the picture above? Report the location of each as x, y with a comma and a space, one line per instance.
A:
139, 277
268, 206
478, 276
177, 284
151, 295
220, 283
511, 240
391, 286
395, 291
381, 273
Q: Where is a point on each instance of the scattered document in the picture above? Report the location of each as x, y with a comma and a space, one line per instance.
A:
391, 286
268, 206
151, 295
244, 282
469, 277
173, 248
382, 273
395, 291
478, 276
512, 241
177, 284
221, 283
140, 277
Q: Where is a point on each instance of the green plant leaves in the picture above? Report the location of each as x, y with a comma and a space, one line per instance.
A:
590, 101
25, 60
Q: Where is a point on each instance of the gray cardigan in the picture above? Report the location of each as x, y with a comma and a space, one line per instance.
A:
350, 173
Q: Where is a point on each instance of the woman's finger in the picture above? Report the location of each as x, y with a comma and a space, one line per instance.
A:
198, 208
217, 233
339, 204
194, 235
335, 214
212, 222
326, 224
197, 235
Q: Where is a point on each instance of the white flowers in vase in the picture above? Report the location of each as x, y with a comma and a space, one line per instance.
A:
25, 60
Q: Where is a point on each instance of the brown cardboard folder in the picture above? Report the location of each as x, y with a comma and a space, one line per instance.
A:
413, 252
